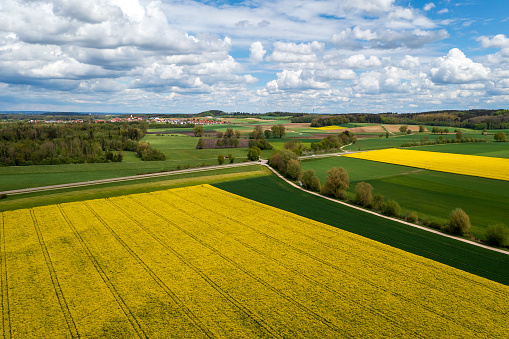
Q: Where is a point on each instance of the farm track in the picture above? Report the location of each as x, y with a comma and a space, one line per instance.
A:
360, 278
122, 179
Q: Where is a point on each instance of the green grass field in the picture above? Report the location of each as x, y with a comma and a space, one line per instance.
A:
275, 192
432, 194
29, 200
491, 149
400, 139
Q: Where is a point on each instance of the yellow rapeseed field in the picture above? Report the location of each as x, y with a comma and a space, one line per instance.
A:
329, 128
199, 262
474, 165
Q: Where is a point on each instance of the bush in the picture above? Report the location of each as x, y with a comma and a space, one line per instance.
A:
310, 180
432, 223
378, 201
500, 136
336, 183
459, 222
412, 216
497, 235
294, 169
391, 208
231, 158
363, 194
220, 159
3, 196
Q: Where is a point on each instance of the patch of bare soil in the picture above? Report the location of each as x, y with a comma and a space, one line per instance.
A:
395, 128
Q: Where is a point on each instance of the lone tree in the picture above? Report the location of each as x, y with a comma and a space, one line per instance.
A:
459, 222
278, 131
198, 130
253, 154
220, 159
364, 193
201, 144
421, 128
336, 183
500, 136
403, 128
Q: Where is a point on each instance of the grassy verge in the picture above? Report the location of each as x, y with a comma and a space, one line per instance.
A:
14, 202
273, 191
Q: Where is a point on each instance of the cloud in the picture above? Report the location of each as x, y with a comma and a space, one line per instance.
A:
456, 68
256, 52
294, 80
386, 38
498, 41
289, 52
429, 6
443, 11
372, 7
359, 61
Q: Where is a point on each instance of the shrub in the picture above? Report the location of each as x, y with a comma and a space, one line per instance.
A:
500, 136
378, 201
432, 223
412, 216
391, 208
497, 235
231, 158
220, 159
310, 180
3, 196
364, 193
459, 222
293, 169
336, 183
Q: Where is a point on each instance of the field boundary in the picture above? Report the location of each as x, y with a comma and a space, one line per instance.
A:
6, 315
386, 217
128, 178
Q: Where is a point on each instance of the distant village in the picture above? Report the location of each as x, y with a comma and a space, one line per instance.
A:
173, 121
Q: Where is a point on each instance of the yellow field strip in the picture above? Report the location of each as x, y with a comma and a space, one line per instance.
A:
329, 128
474, 165
199, 262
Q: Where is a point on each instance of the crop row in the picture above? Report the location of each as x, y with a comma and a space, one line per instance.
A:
474, 165
201, 262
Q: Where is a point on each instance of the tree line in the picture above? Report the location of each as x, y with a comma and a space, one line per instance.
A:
23, 144
473, 119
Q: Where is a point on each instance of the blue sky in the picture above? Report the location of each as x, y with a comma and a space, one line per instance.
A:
326, 56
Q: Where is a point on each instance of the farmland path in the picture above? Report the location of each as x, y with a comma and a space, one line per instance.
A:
386, 217
120, 179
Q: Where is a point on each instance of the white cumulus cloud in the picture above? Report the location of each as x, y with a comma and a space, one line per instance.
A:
456, 68
257, 52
